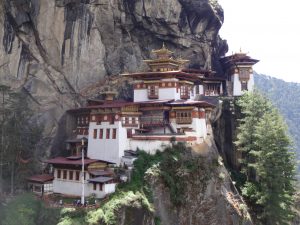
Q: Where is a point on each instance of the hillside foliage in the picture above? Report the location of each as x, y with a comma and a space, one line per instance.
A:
285, 96
267, 160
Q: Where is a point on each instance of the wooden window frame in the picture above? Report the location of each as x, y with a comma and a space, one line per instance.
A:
95, 134
126, 120
65, 174
114, 133
108, 133
184, 92
101, 134
153, 91
184, 117
77, 175
94, 186
59, 174
129, 133
70, 175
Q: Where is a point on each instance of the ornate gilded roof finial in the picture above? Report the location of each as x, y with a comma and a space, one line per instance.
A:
163, 52
240, 49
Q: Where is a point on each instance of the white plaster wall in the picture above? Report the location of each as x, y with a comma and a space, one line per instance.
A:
251, 83
201, 89
123, 140
150, 146
200, 127
109, 188
107, 149
68, 187
106, 189
140, 95
168, 93
237, 87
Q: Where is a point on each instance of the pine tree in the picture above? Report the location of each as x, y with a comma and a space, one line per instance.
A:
269, 160
19, 135
253, 106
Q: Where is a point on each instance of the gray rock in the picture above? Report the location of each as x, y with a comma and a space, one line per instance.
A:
55, 49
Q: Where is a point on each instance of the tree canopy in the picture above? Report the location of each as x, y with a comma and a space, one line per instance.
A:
285, 96
267, 160
19, 135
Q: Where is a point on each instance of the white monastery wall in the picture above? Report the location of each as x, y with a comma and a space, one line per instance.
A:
251, 82
123, 140
149, 146
109, 188
200, 127
237, 86
67, 187
106, 189
104, 149
140, 95
168, 93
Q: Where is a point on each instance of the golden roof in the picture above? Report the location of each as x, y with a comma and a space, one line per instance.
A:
162, 51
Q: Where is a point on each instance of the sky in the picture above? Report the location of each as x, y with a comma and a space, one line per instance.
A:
268, 30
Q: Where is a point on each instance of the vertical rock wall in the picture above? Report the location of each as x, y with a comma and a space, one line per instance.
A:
55, 48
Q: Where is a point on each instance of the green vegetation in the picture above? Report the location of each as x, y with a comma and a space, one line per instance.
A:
285, 96
107, 214
19, 135
267, 163
26, 210
173, 166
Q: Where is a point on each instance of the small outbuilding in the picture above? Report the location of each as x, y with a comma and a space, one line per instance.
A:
41, 184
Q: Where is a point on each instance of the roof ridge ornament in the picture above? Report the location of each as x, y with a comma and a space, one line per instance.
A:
162, 52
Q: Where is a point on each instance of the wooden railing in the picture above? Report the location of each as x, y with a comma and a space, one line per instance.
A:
152, 121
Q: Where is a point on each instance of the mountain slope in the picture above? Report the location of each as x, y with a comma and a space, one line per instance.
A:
285, 96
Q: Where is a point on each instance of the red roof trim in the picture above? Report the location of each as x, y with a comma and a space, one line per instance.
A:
41, 178
66, 161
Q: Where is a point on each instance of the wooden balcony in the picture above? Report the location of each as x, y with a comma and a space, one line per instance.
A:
152, 121
184, 120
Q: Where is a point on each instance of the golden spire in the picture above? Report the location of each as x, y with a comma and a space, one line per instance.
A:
163, 52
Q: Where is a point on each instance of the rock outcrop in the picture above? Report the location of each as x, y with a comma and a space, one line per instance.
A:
54, 49
208, 193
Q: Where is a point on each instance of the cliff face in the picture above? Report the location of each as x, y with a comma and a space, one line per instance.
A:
54, 49
209, 195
